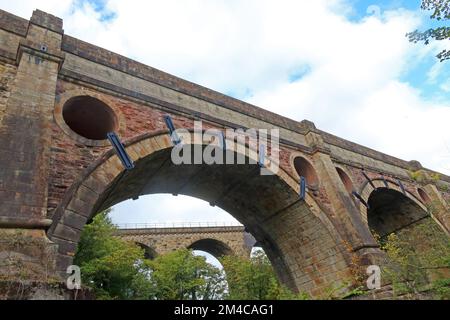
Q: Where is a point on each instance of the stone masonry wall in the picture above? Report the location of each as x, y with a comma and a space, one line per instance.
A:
166, 240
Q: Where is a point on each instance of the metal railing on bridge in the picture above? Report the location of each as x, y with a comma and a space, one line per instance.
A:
129, 226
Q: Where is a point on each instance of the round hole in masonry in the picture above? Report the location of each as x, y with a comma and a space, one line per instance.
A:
425, 198
89, 117
345, 180
305, 169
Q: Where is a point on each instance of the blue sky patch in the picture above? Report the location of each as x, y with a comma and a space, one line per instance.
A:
99, 6
299, 73
417, 74
364, 8
242, 93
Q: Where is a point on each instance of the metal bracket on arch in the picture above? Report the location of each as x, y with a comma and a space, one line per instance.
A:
358, 196
385, 182
173, 134
302, 194
402, 187
120, 150
368, 179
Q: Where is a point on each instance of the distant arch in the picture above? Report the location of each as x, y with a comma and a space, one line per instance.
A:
212, 246
149, 252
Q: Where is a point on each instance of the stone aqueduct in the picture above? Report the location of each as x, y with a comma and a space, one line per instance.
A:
216, 240
59, 96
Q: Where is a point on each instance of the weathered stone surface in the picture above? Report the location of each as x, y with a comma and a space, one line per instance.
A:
218, 241
49, 171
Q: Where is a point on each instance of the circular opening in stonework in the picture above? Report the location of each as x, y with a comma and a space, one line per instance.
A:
424, 196
305, 169
89, 117
345, 180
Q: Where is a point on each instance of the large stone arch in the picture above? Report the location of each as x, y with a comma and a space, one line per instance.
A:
299, 239
385, 184
391, 211
410, 205
417, 231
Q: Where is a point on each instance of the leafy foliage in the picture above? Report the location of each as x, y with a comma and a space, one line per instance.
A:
418, 260
440, 11
418, 176
117, 269
443, 187
255, 279
114, 268
180, 275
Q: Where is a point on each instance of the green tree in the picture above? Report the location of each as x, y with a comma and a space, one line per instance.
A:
418, 260
180, 275
440, 12
254, 279
114, 268
117, 269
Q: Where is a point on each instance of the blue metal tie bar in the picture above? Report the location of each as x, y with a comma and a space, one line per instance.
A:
302, 188
358, 196
368, 179
173, 134
402, 187
120, 150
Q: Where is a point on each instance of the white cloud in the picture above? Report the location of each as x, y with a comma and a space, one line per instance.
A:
163, 208
353, 86
396, 120
446, 86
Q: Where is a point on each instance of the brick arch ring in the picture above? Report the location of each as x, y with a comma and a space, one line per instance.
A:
77, 208
367, 190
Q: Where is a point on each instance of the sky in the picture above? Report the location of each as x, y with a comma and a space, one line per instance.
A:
346, 65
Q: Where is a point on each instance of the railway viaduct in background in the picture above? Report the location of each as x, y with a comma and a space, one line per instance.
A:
60, 96
214, 238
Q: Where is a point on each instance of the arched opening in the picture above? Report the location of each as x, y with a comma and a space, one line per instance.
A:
348, 184
256, 249
149, 253
267, 206
171, 222
167, 223
390, 211
215, 247
305, 169
416, 247
89, 117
